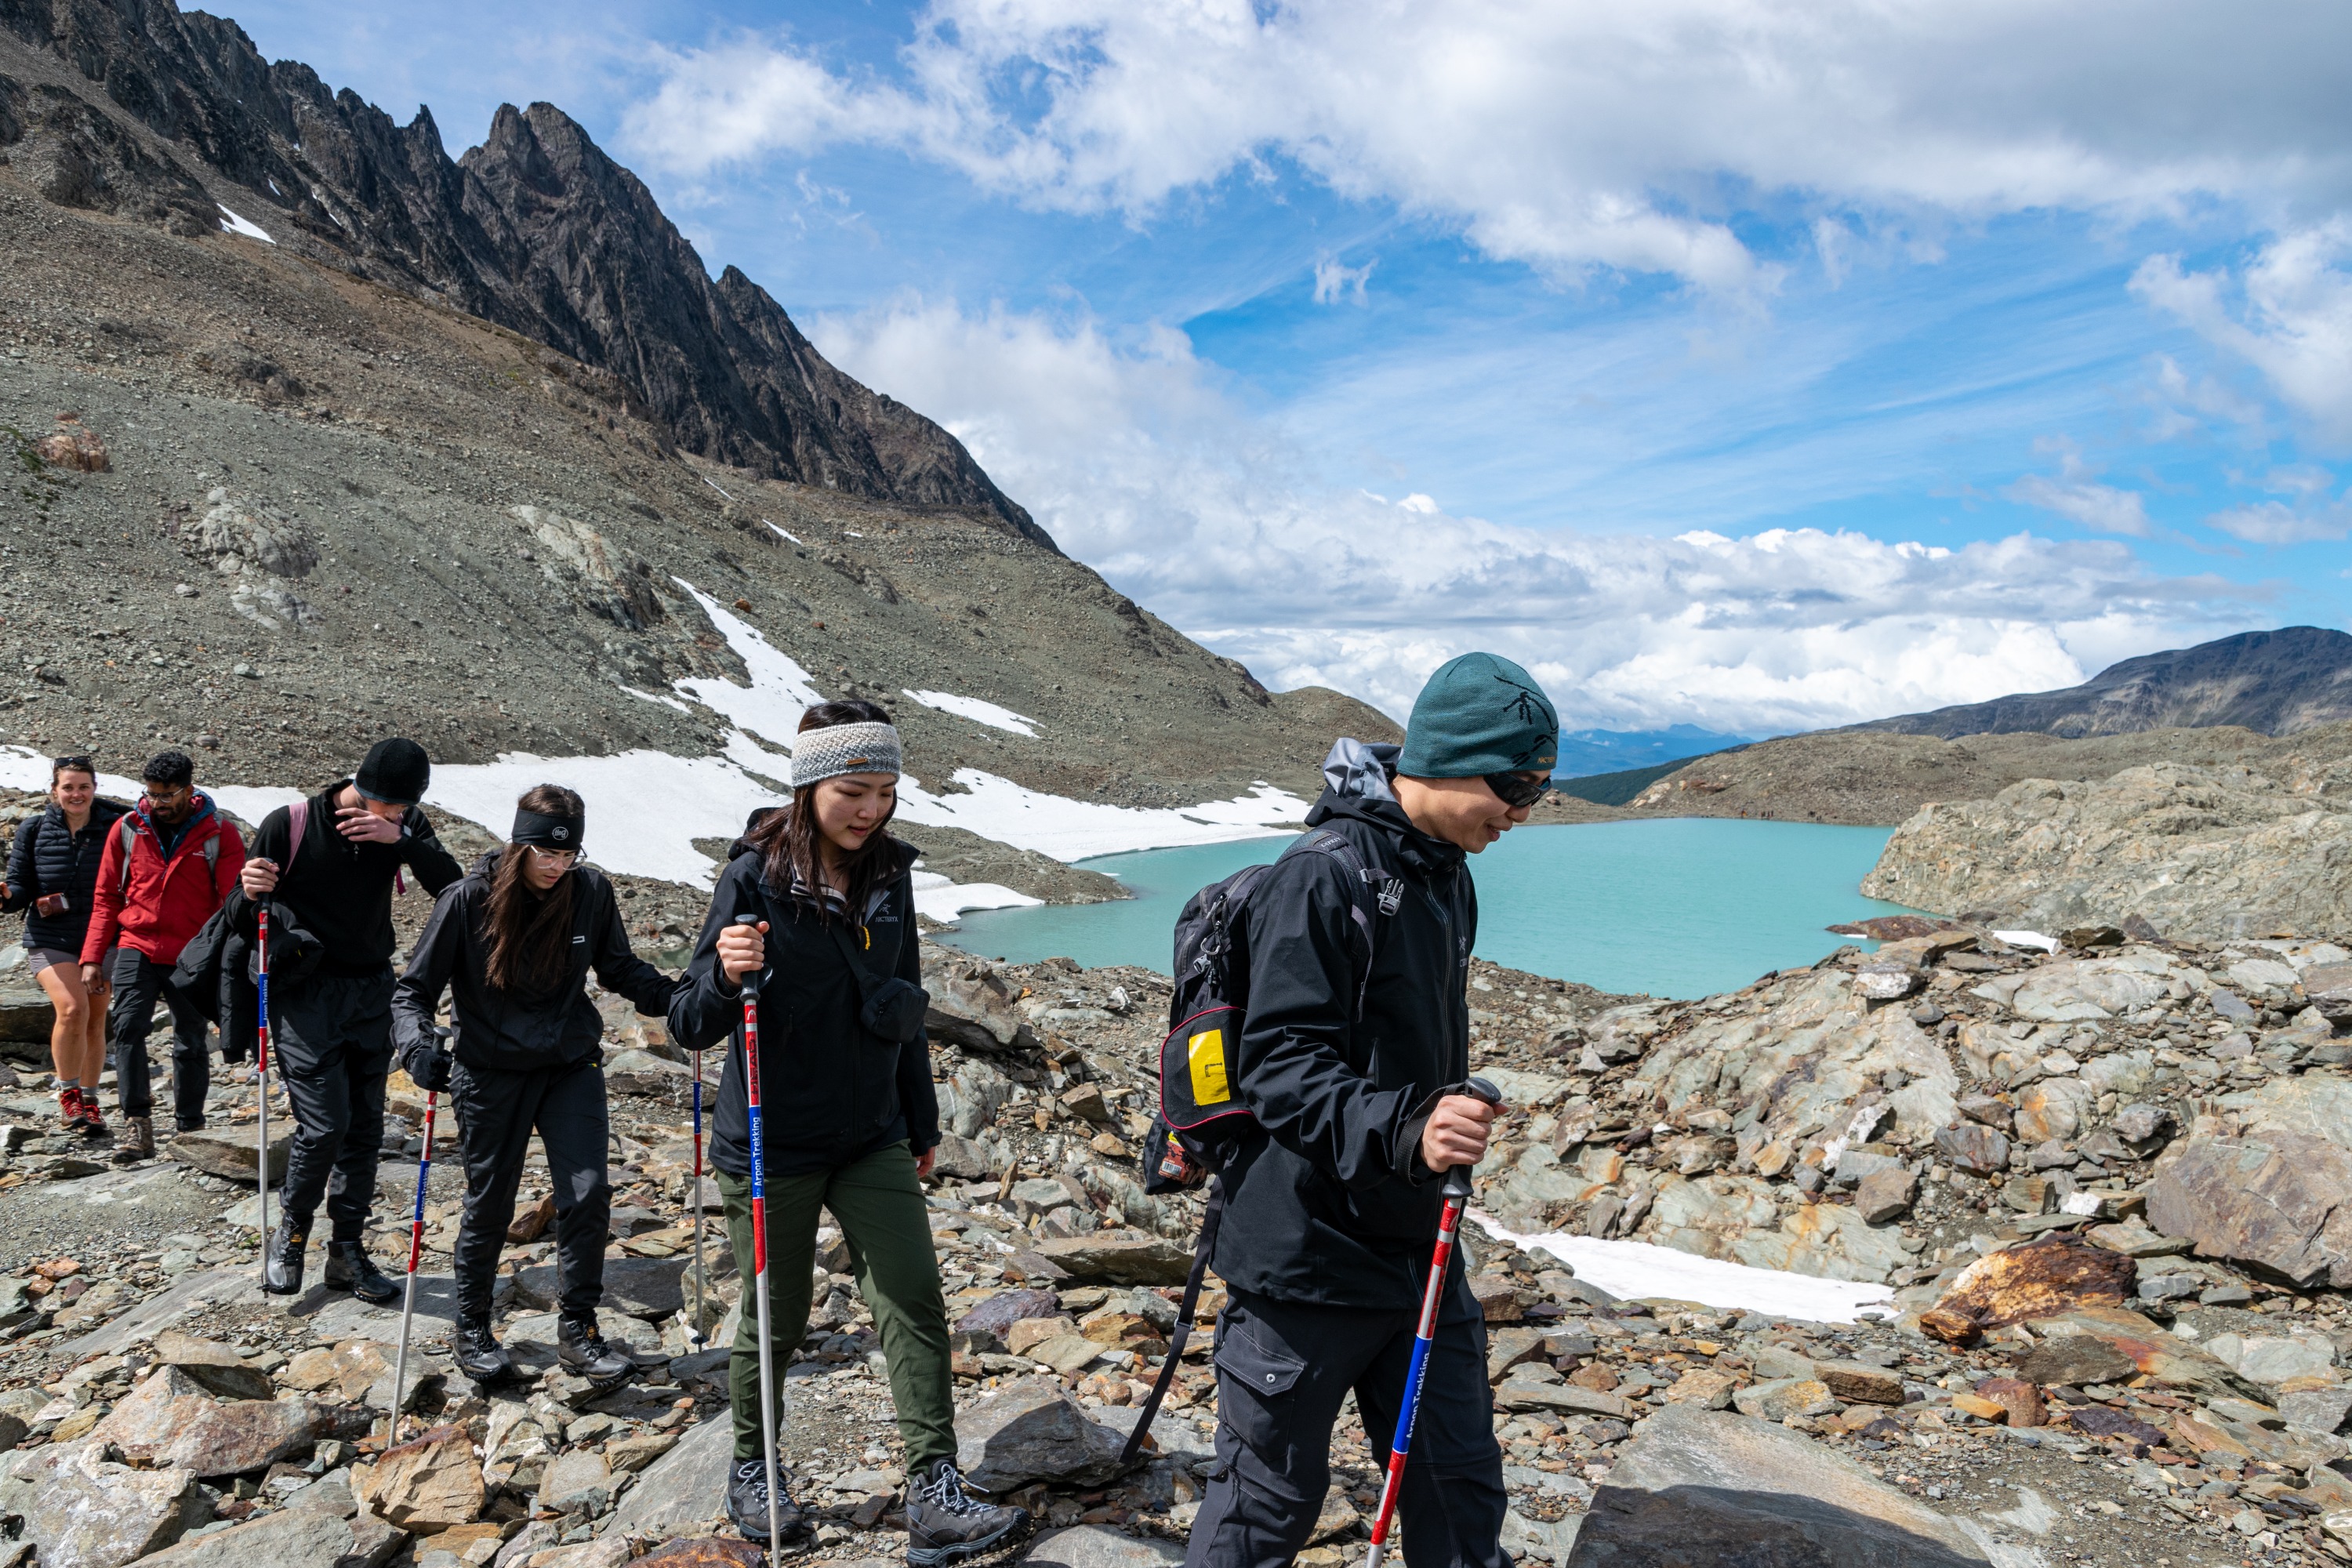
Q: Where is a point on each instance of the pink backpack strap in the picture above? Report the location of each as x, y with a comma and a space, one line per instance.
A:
298, 823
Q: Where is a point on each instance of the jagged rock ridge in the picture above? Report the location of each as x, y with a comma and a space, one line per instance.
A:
536, 229
2276, 682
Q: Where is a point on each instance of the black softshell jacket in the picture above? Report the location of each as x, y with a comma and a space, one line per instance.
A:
831, 1090
503, 1030
341, 892
1327, 1199
50, 857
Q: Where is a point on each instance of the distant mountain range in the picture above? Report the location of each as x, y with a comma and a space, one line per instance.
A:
2275, 682
1584, 752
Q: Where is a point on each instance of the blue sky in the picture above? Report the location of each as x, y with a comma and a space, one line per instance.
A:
1750, 365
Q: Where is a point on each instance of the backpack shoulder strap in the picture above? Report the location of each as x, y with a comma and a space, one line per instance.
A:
298, 826
1371, 889
127, 833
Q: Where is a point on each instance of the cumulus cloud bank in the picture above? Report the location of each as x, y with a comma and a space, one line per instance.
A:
1133, 456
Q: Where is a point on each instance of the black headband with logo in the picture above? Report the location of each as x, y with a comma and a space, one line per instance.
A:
559, 833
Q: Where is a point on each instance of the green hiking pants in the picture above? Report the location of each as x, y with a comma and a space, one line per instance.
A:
879, 1205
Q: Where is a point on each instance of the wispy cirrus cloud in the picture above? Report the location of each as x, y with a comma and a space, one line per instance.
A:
2287, 312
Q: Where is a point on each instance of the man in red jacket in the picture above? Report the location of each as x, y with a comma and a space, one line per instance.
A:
164, 870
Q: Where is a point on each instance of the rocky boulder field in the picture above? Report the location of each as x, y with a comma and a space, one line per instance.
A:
2086, 1199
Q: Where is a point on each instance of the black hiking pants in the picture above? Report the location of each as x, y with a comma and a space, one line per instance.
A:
331, 1036
1282, 1368
131, 1018
497, 1111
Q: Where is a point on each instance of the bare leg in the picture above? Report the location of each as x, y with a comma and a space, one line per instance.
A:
93, 1058
78, 1019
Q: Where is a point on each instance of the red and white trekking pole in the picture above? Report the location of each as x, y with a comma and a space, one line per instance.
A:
261, 1079
699, 1274
760, 1246
415, 1252
1449, 1224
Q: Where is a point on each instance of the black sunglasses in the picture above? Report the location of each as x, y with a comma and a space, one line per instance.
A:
1516, 790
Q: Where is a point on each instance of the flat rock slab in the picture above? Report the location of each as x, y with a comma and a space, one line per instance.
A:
290, 1537
1119, 1260
639, 1287
428, 1483
2154, 1352
2273, 1199
169, 1419
85, 1511
2038, 1278
1032, 1431
231, 1153
151, 1317
710, 1552
1705, 1487
682, 1491
1096, 1546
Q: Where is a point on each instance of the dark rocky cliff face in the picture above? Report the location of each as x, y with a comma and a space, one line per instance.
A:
134, 107
2276, 682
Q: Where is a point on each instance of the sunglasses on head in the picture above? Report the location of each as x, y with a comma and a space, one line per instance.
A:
1516, 790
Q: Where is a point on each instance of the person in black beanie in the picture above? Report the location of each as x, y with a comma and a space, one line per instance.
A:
328, 866
512, 945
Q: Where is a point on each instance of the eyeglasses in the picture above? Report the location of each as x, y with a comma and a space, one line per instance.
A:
1516, 790
560, 856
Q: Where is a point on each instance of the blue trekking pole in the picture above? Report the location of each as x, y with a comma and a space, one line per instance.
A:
700, 1276
415, 1251
262, 1079
760, 1243
1449, 1225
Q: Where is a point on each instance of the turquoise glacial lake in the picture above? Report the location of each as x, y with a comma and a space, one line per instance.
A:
1683, 907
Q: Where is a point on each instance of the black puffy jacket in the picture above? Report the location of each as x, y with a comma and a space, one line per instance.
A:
1328, 1200
504, 1030
831, 1090
50, 857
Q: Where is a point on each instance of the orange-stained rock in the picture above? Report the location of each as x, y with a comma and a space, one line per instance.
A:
74, 446
2053, 1274
2021, 1399
1983, 1409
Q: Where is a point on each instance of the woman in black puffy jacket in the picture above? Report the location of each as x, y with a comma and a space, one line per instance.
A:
53, 872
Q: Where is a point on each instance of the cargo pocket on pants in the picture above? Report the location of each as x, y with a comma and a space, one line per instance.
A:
1256, 1375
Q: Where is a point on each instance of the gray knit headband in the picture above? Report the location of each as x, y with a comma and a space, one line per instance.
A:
844, 749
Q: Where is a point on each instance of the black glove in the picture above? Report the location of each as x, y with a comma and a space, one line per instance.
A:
429, 1068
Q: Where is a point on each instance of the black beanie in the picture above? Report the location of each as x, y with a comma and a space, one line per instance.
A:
396, 770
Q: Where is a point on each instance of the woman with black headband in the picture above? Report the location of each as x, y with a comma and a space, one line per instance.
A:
818, 902
513, 943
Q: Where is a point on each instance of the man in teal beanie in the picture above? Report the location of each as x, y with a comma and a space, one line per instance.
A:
1351, 1061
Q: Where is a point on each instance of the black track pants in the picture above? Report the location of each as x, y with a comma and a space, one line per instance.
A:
131, 1018
497, 1114
332, 1040
1283, 1367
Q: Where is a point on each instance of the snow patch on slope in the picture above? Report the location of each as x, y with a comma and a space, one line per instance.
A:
978, 711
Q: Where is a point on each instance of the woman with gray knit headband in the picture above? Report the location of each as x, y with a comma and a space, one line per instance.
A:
818, 902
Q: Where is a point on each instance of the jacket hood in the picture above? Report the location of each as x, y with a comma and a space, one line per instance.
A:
198, 815
1356, 777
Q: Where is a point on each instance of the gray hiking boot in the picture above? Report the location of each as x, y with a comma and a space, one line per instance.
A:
945, 1523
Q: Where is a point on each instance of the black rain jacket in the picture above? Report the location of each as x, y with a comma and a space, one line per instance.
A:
49, 857
1328, 1200
340, 891
507, 1031
831, 1090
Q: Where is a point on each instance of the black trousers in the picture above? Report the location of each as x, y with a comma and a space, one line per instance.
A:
497, 1114
1283, 1367
331, 1036
131, 1018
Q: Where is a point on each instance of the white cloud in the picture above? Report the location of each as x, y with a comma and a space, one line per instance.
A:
2275, 523
1566, 136
2077, 495
2288, 314
1335, 280
1132, 456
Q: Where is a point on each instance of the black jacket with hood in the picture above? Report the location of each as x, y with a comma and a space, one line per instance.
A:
831, 1090
50, 857
508, 1031
1328, 1200
340, 891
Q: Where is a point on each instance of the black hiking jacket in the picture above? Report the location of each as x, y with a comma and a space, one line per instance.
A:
1328, 1200
831, 1090
341, 892
49, 857
509, 1031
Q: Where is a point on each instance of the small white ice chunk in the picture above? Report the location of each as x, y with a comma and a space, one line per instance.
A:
232, 223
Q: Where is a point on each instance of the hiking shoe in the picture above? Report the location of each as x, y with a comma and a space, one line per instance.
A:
281, 1274
747, 1504
69, 1110
349, 1267
945, 1523
480, 1355
93, 1120
583, 1349
137, 1142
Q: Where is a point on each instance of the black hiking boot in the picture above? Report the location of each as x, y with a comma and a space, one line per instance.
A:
945, 1523
479, 1354
747, 1504
587, 1352
282, 1273
349, 1267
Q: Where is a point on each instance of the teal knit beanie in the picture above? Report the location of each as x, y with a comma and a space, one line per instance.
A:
1480, 714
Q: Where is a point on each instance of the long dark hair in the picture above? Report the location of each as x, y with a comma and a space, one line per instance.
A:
787, 839
531, 932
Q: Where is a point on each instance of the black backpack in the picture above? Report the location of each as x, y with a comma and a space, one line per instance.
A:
1201, 1120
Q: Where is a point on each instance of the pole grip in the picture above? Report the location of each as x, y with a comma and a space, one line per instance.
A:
1458, 1180
749, 984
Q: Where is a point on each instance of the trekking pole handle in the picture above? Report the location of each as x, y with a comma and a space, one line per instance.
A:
749, 984
1457, 1179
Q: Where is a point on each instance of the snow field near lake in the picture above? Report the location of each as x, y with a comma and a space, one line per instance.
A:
647, 808
1632, 1271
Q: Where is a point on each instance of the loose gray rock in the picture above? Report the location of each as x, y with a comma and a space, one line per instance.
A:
293, 1537
578, 1481
1032, 1431
230, 1155
684, 1489
1699, 1486
85, 1511
1094, 1546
